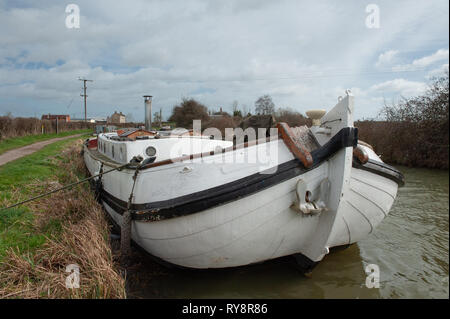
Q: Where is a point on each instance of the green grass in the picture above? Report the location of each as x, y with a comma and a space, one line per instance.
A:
17, 224
16, 231
15, 142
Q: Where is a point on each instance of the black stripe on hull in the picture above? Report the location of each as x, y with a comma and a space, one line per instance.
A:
382, 169
199, 201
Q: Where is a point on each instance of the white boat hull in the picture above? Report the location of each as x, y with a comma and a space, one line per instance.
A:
257, 226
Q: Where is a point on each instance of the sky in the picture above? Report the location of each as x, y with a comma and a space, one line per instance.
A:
304, 54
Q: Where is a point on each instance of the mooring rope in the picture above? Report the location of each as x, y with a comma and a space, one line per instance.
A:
134, 161
125, 230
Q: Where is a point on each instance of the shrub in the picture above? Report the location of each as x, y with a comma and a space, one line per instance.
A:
291, 117
415, 132
187, 111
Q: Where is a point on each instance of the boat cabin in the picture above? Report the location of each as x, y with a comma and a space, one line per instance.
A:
121, 148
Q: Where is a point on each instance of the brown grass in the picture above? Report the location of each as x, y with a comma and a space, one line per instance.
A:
83, 239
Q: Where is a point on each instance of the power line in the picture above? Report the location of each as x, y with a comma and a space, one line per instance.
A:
324, 74
84, 95
70, 103
313, 75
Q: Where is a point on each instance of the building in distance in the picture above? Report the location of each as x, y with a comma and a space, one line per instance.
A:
63, 118
117, 118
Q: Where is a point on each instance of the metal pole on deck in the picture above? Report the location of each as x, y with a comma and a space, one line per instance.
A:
148, 112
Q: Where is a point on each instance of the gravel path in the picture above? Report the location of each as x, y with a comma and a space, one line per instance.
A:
16, 153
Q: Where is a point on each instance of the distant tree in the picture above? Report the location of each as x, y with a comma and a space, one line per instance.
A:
431, 107
245, 110
129, 118
264, 105
187, 111
415, 131
235, 106
237, 113
156, 117
291, 117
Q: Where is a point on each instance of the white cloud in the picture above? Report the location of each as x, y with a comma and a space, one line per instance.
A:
438, 56
386, 58
438, 71
400, 86
428, 60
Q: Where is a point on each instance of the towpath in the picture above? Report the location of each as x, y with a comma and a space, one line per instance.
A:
16, 153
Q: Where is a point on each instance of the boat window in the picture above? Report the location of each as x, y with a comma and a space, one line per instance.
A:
112, 150
150, 151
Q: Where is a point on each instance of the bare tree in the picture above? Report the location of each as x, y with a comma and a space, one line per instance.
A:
235, 105
129, 118
156, 117
264, 105
245, 110
236, 111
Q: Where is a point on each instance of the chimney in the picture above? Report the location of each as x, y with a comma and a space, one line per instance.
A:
148, 112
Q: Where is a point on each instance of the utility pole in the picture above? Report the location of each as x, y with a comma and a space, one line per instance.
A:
84, 95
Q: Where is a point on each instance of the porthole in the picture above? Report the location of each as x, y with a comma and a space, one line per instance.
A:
150, 151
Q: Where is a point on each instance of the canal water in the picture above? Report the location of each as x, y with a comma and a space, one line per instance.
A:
410, 248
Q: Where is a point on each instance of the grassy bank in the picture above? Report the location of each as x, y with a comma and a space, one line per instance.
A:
15, 142
38, 240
